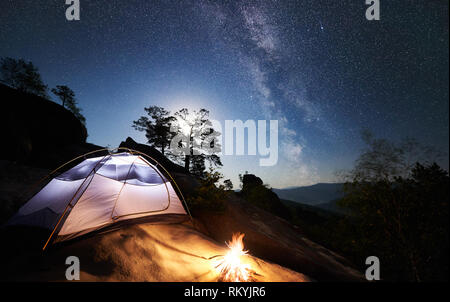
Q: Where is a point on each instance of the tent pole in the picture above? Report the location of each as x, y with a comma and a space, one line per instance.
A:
34, 185
123, 185
109, 153
176, 185
69, 204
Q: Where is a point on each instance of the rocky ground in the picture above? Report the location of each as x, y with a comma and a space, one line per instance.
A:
40, 135
144, 252
177, 252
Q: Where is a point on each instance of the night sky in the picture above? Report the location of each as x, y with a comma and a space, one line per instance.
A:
318, 67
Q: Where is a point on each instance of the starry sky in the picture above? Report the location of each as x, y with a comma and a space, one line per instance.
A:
318, 67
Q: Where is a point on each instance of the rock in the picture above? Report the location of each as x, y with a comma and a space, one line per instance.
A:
254, 191
144, 252
38, 131
250, 180
268, 238
274, 239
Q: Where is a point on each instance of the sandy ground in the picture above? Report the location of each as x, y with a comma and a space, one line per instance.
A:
144, 252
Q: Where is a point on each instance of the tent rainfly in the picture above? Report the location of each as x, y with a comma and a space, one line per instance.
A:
100, 192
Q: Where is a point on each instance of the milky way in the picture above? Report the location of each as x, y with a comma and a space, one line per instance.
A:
318, 67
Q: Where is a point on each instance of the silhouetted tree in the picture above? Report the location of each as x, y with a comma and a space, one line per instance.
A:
383, 159
65, 94
189, 132
67, 97
23, 76
228, 184
77, 112
198, 166
156, 126
197, 135
241, 179
401, 210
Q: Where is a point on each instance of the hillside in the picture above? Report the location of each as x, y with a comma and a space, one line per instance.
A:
39, 132
268, 238
41, 135
273, 238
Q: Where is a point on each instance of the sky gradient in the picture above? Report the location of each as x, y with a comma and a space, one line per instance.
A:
318, 67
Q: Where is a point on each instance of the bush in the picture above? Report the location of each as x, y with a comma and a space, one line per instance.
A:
404, 222
209, 195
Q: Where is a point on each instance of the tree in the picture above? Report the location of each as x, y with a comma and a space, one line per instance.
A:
383, 159
77, 112
23, 76
228, 184
210, 195
241, 179
196, 141
400, 210
156, 126
65, 94
67, 97
198, 166
187, 137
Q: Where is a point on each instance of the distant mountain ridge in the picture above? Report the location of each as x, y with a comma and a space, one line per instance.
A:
315, 195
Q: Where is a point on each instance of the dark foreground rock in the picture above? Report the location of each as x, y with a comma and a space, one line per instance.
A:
39, 132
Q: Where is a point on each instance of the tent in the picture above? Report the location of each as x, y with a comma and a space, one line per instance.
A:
100, 192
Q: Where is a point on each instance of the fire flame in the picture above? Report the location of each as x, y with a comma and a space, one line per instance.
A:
230, 267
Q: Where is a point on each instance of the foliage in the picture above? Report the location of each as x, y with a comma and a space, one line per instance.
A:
262, 196
384, 159
156, 126
210, 195
396, 211
197, 138
228, 184
23, 76
189, 132
65, 94
67, 97
399, 210
241, 179
404, 222
198, 166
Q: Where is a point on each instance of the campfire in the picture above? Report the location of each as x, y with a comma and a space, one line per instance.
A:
230, 266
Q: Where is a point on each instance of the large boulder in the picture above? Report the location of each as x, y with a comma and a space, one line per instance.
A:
250, 180
254, 191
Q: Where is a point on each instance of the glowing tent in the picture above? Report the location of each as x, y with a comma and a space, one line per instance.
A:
101, 192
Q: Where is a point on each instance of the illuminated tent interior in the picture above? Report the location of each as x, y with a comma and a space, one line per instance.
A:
101, 192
